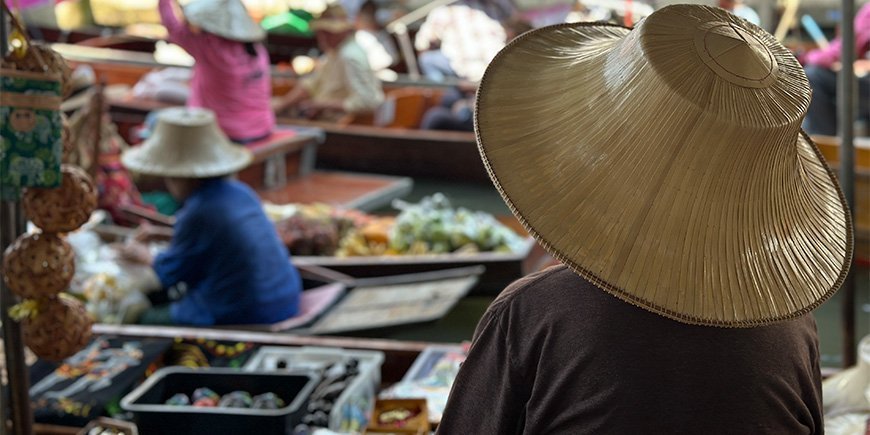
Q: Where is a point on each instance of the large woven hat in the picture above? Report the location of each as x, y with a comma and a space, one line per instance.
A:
666, 164
226, 18
186, 143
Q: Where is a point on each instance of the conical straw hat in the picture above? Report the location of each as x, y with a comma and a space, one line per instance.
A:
666, 164
226, 18
186, 143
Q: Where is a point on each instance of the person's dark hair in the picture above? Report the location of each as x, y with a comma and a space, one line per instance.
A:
251, 49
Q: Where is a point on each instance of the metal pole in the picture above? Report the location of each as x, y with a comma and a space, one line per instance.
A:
4, 49
846, 120
12, 224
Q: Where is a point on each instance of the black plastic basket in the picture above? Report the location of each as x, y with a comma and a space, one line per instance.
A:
152, 416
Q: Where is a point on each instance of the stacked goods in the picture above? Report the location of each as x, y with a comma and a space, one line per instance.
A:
432, 226
39, 267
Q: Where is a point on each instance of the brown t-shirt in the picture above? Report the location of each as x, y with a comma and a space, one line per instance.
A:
555, 354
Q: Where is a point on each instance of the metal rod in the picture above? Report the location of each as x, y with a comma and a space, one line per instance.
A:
407, 51
846, 119
12, 223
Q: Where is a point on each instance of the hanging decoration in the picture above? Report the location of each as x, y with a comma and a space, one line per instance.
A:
57, 198
31, 125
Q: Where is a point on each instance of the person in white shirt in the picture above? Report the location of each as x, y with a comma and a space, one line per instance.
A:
342, 82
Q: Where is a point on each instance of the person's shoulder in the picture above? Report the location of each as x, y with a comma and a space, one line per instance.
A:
543, 285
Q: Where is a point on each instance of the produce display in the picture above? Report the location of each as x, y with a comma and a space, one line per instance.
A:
431, 226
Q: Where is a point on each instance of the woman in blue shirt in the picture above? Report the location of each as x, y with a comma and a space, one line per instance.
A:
225, 263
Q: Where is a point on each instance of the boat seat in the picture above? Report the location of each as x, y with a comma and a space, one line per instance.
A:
404, 108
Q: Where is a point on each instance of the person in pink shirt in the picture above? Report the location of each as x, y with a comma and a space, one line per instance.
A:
231, 75
821, 66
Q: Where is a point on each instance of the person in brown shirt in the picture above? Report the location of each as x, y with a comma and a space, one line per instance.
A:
555, 354
696, 224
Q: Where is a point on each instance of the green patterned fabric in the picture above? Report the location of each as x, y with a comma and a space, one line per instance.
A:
30, 136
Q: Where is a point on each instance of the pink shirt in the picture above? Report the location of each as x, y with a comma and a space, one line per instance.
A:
226, 79
827, 56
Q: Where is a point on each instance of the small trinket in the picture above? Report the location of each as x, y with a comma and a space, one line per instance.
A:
179, 399
267, 401
200, 393
236, 399
205, 402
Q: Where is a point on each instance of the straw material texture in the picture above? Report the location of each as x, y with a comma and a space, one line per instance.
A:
66, 208
666, 164
186, 143
225, 18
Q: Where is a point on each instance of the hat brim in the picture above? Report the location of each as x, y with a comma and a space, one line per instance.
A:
234, 23
702, 245
140, 159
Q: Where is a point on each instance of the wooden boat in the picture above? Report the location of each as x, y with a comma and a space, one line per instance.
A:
394, 147
447, 155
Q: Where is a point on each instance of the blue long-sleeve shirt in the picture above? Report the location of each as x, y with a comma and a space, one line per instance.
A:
227, 260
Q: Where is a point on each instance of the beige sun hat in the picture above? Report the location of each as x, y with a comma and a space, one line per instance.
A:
666, 164
225, 18
333, 19
186, 143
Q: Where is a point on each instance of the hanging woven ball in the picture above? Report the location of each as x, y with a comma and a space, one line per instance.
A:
58, 329
65, 208
38, 265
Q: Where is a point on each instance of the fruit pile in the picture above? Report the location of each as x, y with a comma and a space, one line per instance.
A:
431, 226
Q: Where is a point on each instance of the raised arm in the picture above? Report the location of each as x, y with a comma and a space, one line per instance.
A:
179, 32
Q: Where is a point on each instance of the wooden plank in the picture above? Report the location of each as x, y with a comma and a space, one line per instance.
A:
390, 305
358, 191
449, 155
500, 268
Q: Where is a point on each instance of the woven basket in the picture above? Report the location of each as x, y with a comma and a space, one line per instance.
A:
38, 266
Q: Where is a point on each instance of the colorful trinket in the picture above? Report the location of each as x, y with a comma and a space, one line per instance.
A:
236, 399
179, 399
267, 401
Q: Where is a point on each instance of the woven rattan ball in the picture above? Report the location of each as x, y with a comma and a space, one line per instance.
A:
38, 265
66, 137
65, 208
60, 328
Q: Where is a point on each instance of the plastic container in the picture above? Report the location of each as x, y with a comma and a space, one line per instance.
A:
146, 402
354, 405
430, 377
425, 364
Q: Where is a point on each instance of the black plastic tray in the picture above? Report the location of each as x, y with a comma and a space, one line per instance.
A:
152, 416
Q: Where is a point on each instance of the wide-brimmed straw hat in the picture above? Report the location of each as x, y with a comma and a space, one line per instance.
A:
666, 164
226, 18
186, 143
333, 19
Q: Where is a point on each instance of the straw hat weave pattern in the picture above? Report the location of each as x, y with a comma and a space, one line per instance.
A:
186, 143
226, 18
666, 164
